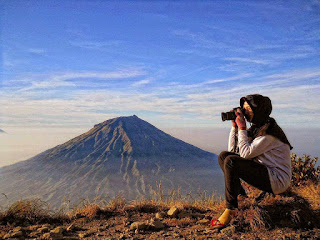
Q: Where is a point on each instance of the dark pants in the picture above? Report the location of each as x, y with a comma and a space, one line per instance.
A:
234, 167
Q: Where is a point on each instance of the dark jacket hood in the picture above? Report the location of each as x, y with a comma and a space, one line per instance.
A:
262, 108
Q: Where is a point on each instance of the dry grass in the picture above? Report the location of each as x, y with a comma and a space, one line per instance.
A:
299, 207
88, 210
29, 211
311, 192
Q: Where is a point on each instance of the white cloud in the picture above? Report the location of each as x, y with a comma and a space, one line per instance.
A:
99, 45
201, 102
142, 82
296, 74
200, 40
211, 81
36, 51
58, 80
248, 60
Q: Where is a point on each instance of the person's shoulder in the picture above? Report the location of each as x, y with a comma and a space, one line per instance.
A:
267, 138
276, 141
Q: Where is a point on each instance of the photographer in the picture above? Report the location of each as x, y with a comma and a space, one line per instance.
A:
259, 156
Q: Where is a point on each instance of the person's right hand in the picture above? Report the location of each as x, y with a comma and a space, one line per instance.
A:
233, 121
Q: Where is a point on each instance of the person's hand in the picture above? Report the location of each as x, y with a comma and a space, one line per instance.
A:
233, 122
240, 120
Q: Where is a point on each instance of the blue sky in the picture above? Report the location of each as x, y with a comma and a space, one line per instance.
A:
174, 63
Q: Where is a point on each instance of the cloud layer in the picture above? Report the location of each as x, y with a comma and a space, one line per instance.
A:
81, 66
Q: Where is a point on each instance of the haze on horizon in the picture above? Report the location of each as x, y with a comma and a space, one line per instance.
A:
178, 65
22, 144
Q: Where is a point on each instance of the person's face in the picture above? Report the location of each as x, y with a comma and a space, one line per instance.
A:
248, 111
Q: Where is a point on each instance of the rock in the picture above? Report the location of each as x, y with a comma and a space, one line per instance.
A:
17, 234
34, 227
83, 235
17, 229
58, 230
156, 224
138, 226
34, 234
57, 233
184, 214
204, 221
173, 211
127, 223
228, 231
160, 215
46, 236
6, 236
43, 229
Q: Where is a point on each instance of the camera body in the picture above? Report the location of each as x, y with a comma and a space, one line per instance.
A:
230, 115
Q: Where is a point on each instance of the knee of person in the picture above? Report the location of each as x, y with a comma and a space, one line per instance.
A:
229, 162
223, 154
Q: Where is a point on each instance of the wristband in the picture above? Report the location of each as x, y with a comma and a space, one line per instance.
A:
243, 128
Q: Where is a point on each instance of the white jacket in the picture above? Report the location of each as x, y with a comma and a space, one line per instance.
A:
269, 151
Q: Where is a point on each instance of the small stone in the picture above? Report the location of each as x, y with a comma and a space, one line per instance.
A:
138, 226
184, 214
228, 231
6, 236
204, 221
156, 224
43, 229
33, 227
83, 235
57, 233
17, 234
17, 229
58, 230
160, 215
46, 236
173, 212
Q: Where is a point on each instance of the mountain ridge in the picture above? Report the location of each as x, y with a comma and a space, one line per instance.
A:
124, 154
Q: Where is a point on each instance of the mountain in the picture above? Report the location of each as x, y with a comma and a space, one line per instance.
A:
122, 155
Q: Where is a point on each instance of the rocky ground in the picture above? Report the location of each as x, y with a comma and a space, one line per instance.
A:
294, 214
172, 224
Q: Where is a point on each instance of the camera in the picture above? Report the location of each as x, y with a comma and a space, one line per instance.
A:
230, 115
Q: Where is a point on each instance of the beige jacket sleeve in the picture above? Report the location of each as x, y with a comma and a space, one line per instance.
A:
258, 146
232, 140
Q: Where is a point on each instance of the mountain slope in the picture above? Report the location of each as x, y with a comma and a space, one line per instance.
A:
122, 155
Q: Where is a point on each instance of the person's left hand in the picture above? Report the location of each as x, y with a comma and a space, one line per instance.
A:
240, 120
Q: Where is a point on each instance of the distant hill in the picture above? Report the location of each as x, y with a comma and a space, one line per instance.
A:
122, 155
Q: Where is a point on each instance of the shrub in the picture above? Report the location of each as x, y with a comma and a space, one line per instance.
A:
304, 170
30, 210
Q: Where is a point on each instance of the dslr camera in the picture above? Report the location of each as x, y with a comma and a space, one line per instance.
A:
231, 115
